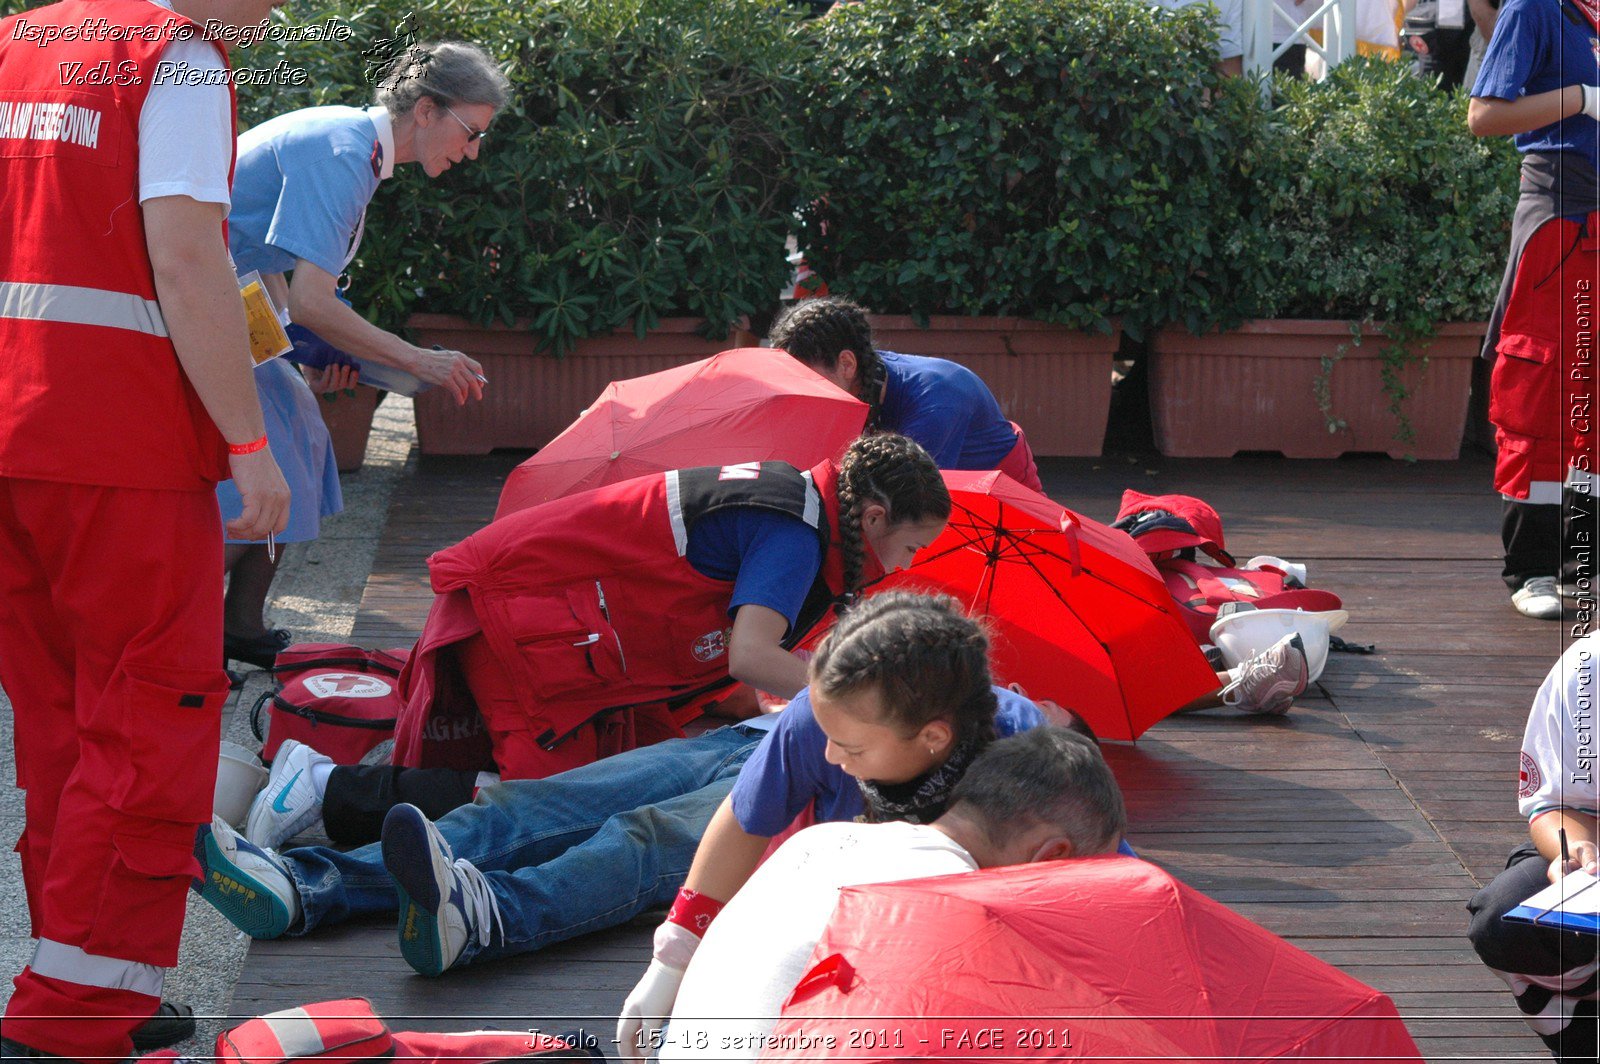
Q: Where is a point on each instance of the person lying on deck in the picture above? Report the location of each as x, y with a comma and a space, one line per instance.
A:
1042, 795
899, 692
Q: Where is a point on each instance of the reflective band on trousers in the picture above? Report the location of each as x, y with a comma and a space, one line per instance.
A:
81, 306
295, 1031
56, 960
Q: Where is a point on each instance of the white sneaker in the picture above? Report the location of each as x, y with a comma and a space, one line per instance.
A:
1270, 681
445, 901
245, 883
1539, 598
290, 803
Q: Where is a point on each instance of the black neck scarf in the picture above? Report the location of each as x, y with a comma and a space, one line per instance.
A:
921, 800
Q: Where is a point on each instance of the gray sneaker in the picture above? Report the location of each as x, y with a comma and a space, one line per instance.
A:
445, 901
1270, 681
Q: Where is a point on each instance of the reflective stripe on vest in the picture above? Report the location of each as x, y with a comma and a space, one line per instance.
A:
813, 510
296, 1032
680, 531
57, 960
81, 306
810, 513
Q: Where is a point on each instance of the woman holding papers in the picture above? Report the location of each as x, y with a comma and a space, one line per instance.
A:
300, 192
1552, 973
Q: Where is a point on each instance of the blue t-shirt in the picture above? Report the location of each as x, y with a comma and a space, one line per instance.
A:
789, 772
302, 184
1537, 48
772, 558
948, 409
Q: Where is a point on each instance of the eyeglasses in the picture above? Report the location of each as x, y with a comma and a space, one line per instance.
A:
472, 134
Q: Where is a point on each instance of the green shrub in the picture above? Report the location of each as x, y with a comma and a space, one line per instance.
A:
644, 168
1374, 203
1066, 160
1377, 203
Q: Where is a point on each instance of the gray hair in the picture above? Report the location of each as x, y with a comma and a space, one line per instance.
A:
448, 71
1046, 775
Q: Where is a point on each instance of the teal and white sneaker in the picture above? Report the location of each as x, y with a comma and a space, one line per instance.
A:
444, 900
245, 883
290, 803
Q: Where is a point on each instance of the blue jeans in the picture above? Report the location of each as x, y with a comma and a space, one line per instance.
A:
573, 853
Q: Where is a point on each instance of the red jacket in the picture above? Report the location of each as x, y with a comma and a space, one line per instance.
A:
90, 386
588, 605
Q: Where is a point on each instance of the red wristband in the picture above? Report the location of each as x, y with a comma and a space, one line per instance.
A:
248, 448
693, 911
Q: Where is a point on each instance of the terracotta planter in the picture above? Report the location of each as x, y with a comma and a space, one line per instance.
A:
349, 421
1052, 380
1252, 389
531, 396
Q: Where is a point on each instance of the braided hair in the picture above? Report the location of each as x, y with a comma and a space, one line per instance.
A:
897, 474
926, 659
816, 330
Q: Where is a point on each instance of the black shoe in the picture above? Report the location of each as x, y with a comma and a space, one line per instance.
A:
171, 1024
260, 651
16, 1050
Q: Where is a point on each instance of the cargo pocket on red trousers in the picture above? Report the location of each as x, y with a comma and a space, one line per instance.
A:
172, 719
566, 644
140, 912
1525, 387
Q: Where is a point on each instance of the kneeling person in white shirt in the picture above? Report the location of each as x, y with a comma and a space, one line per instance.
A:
1042, 795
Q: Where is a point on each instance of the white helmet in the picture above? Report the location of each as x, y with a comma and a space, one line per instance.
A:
1243, 631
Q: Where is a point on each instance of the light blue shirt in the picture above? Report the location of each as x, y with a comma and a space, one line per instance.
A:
302, 184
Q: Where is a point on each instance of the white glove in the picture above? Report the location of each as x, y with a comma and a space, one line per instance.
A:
1591, 101
648, 1007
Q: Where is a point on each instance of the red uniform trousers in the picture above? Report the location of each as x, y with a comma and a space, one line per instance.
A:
110, 650
1542, 393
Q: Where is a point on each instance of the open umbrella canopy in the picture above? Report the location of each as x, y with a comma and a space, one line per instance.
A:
751, 404
1078, 613
1103, 958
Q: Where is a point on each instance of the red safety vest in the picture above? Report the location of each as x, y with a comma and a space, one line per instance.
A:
90, 385
585, 604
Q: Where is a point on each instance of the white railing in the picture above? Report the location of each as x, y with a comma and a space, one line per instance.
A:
1336, 19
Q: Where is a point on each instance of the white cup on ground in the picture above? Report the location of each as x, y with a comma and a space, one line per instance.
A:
240, 778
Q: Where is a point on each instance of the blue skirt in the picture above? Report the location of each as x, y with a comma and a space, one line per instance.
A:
300, 443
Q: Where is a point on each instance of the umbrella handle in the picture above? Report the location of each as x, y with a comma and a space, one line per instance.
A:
1069, 529
832, 970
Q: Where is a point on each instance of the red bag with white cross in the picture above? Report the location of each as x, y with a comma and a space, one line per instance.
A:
339, 699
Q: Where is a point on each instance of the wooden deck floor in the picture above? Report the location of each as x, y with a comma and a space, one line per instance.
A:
1356, 827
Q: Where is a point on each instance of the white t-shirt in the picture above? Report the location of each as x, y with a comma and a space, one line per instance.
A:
186, 130
758, 947
1558, 748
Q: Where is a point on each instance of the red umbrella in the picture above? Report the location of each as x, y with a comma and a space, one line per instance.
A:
1104, 958
747, 405
1078, 612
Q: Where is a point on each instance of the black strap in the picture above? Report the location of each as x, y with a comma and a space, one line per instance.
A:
255, 715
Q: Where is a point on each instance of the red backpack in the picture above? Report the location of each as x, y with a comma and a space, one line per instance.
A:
348, 1030
1171, 528
339, 699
